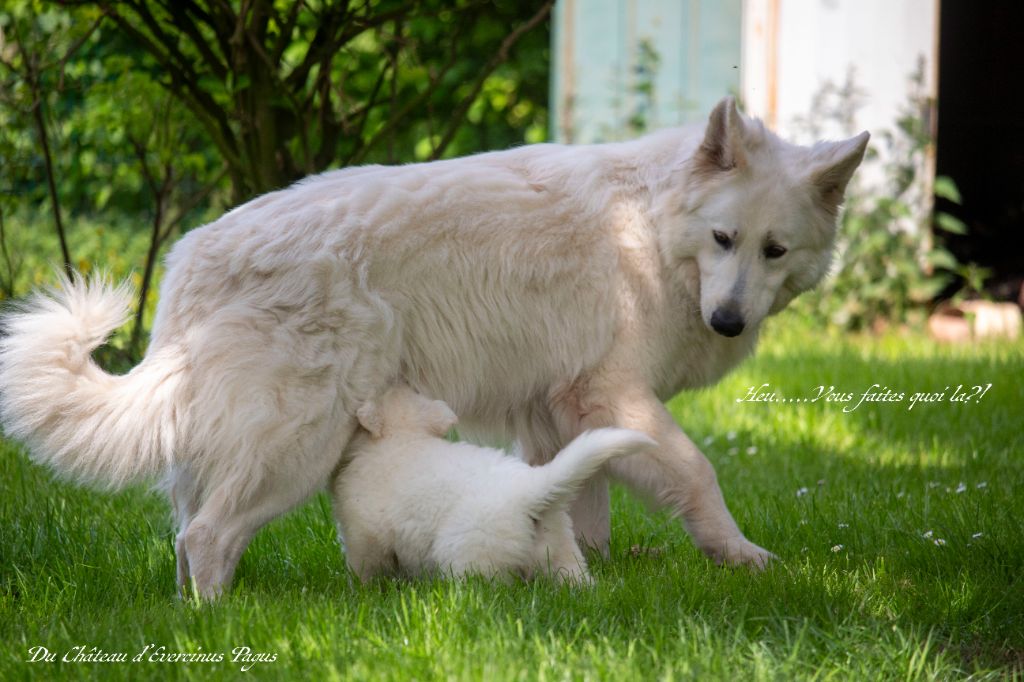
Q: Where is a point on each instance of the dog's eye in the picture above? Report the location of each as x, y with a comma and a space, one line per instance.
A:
722, 239
774, 251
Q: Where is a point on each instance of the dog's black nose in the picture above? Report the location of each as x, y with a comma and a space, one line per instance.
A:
727, 322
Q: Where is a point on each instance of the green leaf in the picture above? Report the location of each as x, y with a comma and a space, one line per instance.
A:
928, 290
241, 82
947, 189
950, 223
212, 84
941, 258
103, 196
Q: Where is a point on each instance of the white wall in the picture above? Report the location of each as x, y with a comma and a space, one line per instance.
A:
596, 52
791, 48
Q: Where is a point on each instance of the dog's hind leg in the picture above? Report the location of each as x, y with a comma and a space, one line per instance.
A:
242, 503
214, 541
221, 530
185, 498
591, 515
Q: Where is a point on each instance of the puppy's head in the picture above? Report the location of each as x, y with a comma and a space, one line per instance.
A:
402, 410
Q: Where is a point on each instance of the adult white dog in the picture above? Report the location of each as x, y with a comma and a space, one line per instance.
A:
408, 501
540, 291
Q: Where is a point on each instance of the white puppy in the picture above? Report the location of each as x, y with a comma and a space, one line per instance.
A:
412, 502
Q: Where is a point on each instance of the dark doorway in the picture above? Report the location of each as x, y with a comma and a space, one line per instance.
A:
980, 141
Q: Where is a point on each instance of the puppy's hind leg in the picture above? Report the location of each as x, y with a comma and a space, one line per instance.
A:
367, 552
368, 557
556, 549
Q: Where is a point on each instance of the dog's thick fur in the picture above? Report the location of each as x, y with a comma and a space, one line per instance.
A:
540, 291
409, 501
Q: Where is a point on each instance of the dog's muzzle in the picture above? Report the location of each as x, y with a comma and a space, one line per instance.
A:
727, 322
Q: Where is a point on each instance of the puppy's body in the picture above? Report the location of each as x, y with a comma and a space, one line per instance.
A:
541, 291
409, 500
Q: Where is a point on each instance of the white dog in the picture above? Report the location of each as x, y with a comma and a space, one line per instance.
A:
412, 502
540, 291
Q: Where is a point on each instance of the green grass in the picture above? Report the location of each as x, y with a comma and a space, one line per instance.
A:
863, 591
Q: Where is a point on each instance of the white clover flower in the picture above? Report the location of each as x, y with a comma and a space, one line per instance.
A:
844, 525
800, 492
900, 495
731, 435
939, 542
927, 535
961, 488
709, 440
983, 484
837, 548
976, 536
752, 450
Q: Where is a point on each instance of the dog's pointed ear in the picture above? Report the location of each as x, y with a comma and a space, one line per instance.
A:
371, 419
723, 145
833, 166
441, 418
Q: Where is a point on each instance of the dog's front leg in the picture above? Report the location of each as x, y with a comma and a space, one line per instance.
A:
591, 515
677, 475
541, 435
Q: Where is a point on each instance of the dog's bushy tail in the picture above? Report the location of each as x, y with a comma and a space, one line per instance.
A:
84, 423
560, 479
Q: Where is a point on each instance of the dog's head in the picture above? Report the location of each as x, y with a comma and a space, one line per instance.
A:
401, 410
760, 217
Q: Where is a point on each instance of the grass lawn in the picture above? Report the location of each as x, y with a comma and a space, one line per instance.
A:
899, 530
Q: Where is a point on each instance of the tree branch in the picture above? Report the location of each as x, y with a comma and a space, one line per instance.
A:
285, 39
184, 83
32, 76
182, 21
160, 198
220, 18
396, 118
363, 112
195, 202
458, 118
161, 189
8, 281
355, 27
324, 42
74, 48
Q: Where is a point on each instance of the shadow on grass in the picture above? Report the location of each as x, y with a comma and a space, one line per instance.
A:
75, 555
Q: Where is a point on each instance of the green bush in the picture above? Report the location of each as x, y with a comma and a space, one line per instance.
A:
887, 268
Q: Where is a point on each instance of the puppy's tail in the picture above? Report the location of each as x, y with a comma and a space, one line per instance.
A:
84, 423
560, 479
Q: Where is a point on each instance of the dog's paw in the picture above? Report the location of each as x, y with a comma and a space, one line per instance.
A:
741, 552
